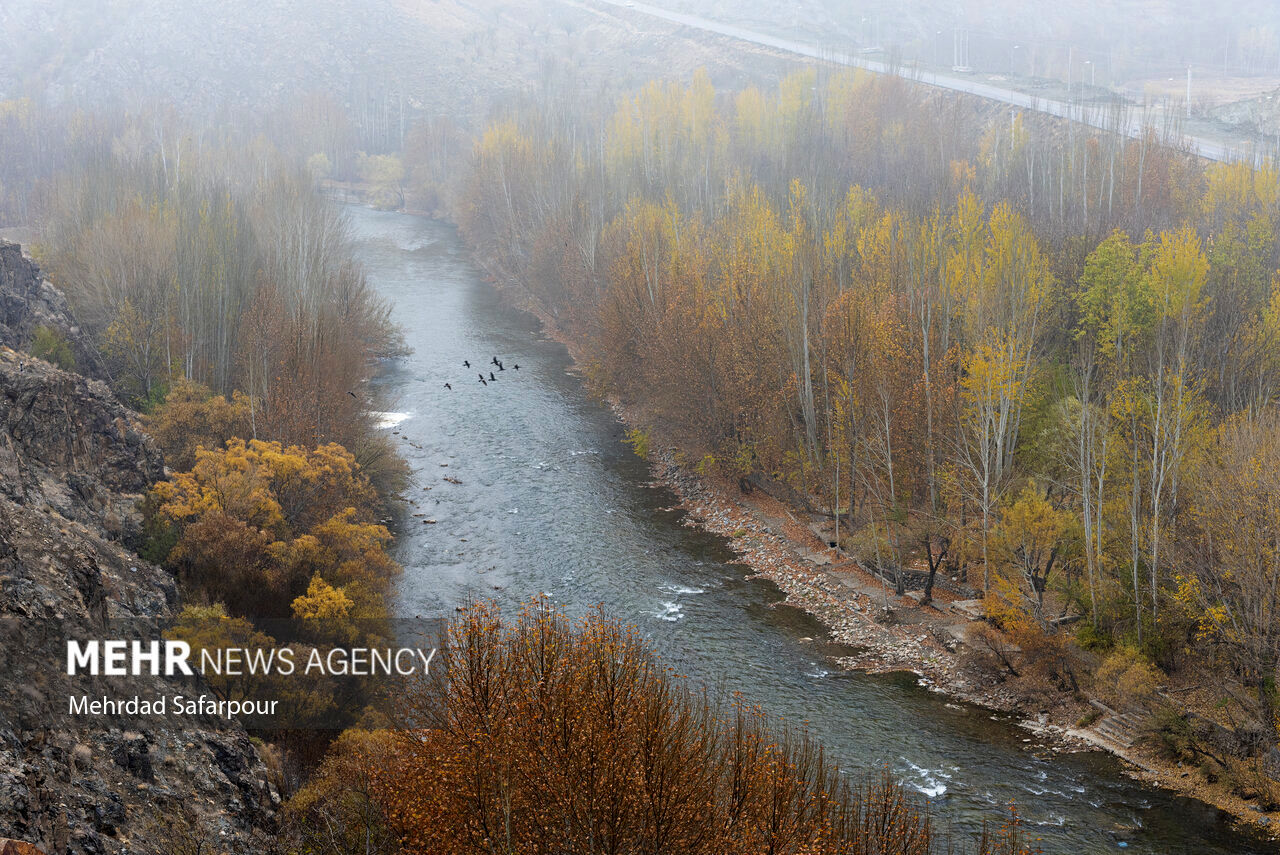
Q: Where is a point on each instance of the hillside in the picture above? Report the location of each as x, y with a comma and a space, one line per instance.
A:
376, 57
73, 464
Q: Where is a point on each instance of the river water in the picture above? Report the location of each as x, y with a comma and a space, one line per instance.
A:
551, 501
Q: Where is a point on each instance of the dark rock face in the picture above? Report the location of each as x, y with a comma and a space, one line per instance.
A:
28, 301
73, 465
66, 443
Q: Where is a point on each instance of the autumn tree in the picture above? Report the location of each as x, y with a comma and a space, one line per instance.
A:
193, 417
336, 812
1234, 577
545, 735
259, 522
1035, 537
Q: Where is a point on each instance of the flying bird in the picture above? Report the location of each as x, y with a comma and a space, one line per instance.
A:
466, 363
495, 360
447, 386
352, 394
516, 366
482, 382
491, 377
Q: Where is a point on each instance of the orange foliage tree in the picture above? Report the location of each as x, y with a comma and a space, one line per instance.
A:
546, 736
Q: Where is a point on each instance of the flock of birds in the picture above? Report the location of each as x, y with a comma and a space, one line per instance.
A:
493, 378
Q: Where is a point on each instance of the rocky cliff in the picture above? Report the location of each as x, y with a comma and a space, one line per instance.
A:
28, 302
73, 465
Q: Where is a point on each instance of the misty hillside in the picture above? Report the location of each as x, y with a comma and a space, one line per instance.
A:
427, 56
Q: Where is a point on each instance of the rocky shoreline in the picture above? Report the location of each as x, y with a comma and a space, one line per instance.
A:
857, 617
848, 612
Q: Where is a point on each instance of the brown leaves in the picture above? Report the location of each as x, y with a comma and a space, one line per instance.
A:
552, 736
192, 416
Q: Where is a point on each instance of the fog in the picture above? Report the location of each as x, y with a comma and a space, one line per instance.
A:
978, 294
392, 61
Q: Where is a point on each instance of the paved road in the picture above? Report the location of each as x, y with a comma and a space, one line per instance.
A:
1131, 125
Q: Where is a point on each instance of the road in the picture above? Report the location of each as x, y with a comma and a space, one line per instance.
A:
1091, 115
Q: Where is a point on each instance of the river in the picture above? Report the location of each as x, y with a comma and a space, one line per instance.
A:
551, 501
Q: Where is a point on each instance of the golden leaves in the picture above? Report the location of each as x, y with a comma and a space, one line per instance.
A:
259, 520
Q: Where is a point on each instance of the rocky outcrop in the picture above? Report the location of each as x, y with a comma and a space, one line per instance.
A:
29, 301
73, 466
98, 786
67, 444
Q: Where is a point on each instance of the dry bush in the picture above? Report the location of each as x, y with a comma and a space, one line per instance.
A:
994, 649
1016, 641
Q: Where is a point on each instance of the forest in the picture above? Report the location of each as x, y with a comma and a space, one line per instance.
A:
1035, 357
1028, 359
219, 290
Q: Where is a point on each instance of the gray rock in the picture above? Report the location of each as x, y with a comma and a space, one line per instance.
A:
67, 444
73, 465
28, 301
1271, 764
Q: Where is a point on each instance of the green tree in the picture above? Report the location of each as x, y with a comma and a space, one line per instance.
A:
51, 345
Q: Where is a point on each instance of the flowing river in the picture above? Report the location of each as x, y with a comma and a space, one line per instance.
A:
552, 501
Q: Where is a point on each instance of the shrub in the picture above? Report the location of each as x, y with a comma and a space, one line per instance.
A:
211, 628
1094, 638
52, 346
1171, 735
638, 439
1127, 679
336, 811
1090, 716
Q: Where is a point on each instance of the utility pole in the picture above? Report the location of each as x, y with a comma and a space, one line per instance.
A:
1071, 55
1188, 92
960, 51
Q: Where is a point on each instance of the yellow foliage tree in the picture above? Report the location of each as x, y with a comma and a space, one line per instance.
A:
192, 417
1034, 537
260, 521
